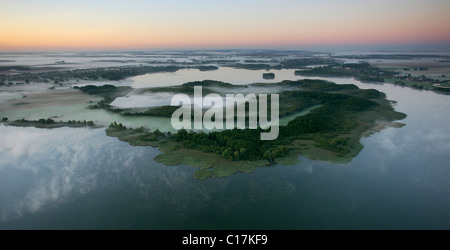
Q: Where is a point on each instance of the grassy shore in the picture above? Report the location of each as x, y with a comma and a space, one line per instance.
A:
327, 123
340, 116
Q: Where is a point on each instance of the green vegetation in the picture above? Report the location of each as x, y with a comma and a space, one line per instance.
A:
262, 60
188, 88
120, 73
302, 62
392, 56
441, 88
208, 83
163, 111
108, 92
51, 74
330, 132
252, 66
49, 123
366, 73
97, 90
136, 137
361, 71
268, 76
207, 68
15, 67
322, 125
319, 85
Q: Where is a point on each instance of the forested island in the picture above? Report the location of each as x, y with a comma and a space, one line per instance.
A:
338, 116
321, 120
329, 132
49, 123
365, 72
268, 76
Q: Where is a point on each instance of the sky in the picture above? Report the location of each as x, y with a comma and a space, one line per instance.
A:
211, 24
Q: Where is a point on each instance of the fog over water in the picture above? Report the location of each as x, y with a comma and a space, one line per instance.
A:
79, 178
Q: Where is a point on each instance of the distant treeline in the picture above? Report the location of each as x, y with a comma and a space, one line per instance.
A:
97, 90
163, 111
49, 123
361, 71
58, 76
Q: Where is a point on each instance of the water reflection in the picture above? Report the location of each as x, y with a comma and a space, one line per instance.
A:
42, 170
49, 165
225, 74
68, 178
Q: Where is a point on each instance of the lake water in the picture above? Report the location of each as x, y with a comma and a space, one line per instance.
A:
225, 74
79, 178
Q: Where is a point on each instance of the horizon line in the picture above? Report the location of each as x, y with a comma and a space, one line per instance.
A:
441, 46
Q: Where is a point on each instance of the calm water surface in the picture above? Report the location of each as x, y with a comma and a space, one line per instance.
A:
81, 179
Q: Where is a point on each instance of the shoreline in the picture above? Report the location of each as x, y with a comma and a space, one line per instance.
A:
359, 113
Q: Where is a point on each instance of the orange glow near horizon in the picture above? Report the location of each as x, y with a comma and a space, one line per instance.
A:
71, 27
